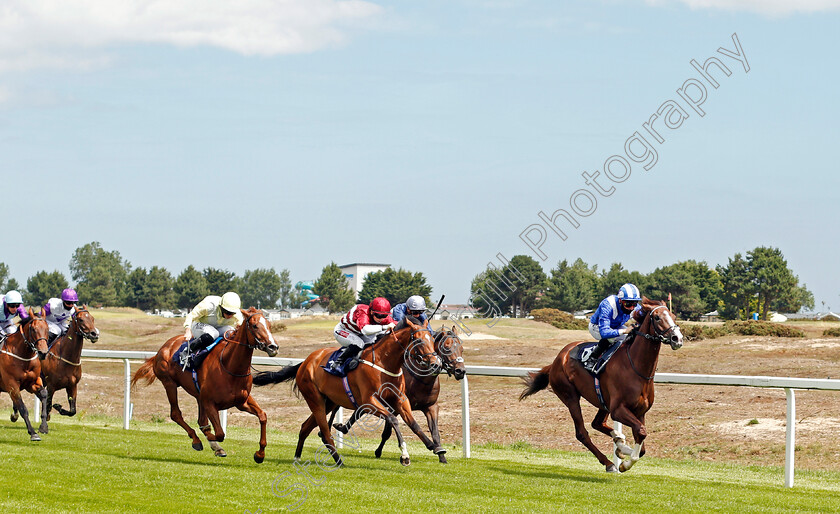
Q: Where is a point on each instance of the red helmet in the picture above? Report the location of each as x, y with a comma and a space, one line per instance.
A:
380, 306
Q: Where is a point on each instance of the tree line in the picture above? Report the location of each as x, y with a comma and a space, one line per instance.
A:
104, 278
759, 281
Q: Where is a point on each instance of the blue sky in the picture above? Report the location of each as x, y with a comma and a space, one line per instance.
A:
427, 135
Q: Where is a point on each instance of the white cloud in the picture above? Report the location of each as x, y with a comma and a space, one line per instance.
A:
765, 7
61, 33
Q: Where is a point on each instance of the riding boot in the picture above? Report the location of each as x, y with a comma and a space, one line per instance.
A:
201, 342
348, 353
603, 344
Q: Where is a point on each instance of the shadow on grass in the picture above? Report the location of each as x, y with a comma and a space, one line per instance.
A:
559, 475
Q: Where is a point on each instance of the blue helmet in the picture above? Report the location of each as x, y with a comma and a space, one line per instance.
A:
629, 292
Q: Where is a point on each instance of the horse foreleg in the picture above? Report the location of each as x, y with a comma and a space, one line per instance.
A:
20, 407
573, 404
47, 404
252, 407
386, 434
431, 418
404, 409
623, 415
42, 395
175, 413
15, 415
599, 423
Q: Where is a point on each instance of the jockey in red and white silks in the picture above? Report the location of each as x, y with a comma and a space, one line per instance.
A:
363, 323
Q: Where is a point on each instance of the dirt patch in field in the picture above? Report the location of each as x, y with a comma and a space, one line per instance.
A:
687, 422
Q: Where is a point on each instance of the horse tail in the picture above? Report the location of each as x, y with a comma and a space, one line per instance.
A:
536, 382
145, 372
275, 377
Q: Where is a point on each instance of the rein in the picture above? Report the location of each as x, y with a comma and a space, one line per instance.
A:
228, 340
78, 331
658, 338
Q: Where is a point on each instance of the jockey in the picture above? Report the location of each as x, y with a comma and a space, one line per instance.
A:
360, 326
13, 313
415, 306
607, 324
59, 311
211, 318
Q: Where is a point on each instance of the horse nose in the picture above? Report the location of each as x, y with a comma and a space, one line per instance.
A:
459, 373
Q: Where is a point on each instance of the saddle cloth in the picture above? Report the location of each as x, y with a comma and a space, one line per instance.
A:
582, 351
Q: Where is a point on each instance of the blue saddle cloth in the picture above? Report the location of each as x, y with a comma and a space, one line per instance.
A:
582, 351
198, 357
342, 371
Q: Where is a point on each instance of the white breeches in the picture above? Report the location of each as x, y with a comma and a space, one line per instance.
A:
347, 338
198, 329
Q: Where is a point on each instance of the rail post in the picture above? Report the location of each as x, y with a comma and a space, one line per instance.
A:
127, 402
37, 409
790, 436
465, 416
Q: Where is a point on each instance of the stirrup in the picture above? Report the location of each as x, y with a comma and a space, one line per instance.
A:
589, 365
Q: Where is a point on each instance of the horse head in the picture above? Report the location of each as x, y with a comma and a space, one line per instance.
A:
258, 331
84, 324
36, 332
450, 349
663, 327
419, 348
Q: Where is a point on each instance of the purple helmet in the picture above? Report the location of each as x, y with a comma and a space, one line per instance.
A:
69, 295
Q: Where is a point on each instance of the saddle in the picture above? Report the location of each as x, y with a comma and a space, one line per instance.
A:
582, 351
348, 365
196, 359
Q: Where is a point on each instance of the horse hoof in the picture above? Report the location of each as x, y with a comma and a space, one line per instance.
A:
378, 453
44, 430
405, 461
220, 453
198, 446
34, 437
439, 450
340, 427
13, 418
258, 458
442, 459
624, 466
611, 469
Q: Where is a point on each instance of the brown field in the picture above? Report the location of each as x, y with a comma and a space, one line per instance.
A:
735, 424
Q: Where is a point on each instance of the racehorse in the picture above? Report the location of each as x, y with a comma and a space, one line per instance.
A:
62, 367
626, 383
221, 382
372, 387
423, 390
20, 367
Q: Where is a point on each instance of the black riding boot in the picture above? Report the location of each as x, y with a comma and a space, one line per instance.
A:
348, 353
201, 342
603, 344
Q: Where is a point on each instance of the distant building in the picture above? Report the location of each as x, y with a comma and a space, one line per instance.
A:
711, 316
357, 272
455, 311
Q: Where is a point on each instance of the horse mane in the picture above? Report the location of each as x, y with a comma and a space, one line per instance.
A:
648, 304
404, 322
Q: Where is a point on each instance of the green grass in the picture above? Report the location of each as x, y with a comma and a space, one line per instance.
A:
95, 466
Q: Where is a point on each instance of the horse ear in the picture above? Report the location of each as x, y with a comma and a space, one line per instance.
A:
454, 330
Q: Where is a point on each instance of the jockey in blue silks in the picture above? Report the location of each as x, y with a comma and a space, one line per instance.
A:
607, 323
415, 306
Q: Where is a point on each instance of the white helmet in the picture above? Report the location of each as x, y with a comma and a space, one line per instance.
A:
415, 303
231, 302
13, 297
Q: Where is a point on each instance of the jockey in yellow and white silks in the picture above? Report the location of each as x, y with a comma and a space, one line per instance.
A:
211, 318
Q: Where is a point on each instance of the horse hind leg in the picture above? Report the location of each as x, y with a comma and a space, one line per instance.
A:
42, 395
176, 415
205, 427
305, 429
573, 404
71, 400
252, 407
432, 417
20, 406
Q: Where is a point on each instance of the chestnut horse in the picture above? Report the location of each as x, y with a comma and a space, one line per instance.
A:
423, 389
375, 386
224, 379
626, 383
20, 367
62, 367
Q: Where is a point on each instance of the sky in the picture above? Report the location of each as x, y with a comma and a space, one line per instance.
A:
426, 135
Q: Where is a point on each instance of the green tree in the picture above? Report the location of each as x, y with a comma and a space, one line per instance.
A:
333, 289
100, 275
260, 288
220, 281
4, 276
572, 287
513, 288
190, 288
151, 290
287, 292
772, 280
737, 288
42, 286
695, 288
394, 285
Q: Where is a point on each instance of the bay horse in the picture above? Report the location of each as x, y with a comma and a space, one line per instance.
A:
626, 383
376, 384
224, 379
20, 367
423, 389
62, 367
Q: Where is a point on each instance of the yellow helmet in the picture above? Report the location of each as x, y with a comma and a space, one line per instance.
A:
231, 302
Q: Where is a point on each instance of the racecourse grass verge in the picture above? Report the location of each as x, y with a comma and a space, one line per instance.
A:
93, 465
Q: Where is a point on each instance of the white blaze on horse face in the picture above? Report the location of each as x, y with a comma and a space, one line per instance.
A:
270, 336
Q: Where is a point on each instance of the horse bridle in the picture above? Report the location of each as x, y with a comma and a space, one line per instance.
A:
414, 350
33, 345
90, 336
659, 338
446, 364
258, 345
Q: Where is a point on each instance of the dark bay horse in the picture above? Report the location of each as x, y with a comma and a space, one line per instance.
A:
62, 367
626, 383
224, 379
20, 367
376, 384
423, 389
